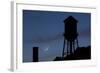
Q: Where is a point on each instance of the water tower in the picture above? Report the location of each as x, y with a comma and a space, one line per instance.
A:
70, 36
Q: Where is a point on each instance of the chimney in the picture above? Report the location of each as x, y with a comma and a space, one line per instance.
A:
35, 54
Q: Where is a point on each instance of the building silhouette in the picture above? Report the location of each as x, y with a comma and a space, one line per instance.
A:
81, 53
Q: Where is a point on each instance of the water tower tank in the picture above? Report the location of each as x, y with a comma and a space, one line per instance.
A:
70, 28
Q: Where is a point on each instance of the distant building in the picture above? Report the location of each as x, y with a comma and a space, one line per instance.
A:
35, 54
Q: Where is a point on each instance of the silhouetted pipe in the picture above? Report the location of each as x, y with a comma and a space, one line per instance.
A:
35, 54
70, 47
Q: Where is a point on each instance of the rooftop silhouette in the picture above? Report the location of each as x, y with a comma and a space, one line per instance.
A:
81, 53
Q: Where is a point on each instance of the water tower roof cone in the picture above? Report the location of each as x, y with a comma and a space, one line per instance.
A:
70, 19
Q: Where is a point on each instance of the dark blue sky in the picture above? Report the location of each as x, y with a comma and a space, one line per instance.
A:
45, 29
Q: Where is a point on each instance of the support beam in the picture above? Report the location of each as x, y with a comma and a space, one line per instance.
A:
63, 48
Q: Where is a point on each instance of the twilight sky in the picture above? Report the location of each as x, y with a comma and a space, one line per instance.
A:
44, 29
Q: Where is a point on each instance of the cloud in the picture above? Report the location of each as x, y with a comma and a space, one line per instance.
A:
85, 33
48, 39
